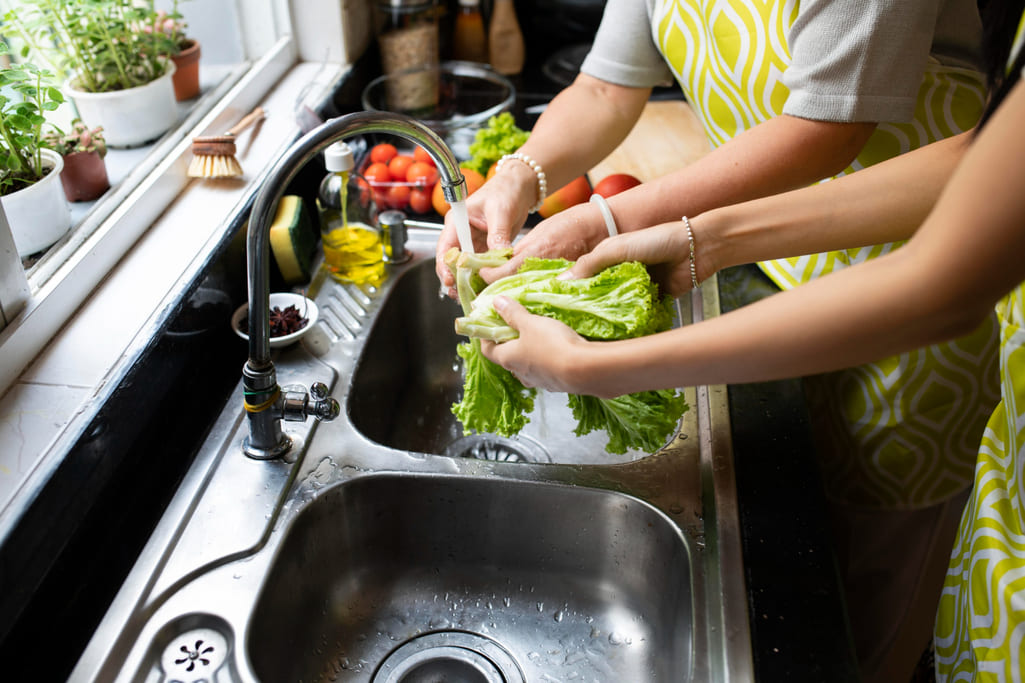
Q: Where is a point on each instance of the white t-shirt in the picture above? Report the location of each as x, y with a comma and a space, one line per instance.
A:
851, 60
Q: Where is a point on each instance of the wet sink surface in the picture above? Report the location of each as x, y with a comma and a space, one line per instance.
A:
380, 550
401, 578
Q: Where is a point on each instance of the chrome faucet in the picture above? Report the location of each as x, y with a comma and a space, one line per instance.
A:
266, 404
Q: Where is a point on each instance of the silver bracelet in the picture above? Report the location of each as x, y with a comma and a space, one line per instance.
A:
542, 180
690, 242
606, 213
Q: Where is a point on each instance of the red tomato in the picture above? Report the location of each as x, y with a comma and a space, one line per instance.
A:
382, 153
377, 173
615, 183
398, 196
399, 165
420, 200
421, 174
420, 154
380, 199
364, 190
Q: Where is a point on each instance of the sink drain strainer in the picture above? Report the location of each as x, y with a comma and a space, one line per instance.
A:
194, 656
450, 656
498, 448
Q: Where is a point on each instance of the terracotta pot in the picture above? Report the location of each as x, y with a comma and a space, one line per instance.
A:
39, 214
84, 177
186, 75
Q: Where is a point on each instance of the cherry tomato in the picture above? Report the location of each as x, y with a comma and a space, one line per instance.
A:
421, 174
377, 173
382, 153
399, 165
420, 154
364, 191
398, 196
420, 200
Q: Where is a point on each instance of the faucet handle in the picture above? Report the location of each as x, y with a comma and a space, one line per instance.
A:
324, 407
296, 403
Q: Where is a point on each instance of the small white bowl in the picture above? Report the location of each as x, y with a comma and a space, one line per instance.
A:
281, 300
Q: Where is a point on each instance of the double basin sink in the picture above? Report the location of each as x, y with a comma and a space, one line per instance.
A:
387, 547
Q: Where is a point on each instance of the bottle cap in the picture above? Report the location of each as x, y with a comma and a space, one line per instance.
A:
469, 3
338, 157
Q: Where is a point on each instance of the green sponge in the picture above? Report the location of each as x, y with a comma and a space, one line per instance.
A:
293, 240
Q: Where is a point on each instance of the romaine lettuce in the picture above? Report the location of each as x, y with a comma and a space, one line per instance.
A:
618, 303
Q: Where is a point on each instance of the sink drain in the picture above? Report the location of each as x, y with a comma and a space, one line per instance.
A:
450, 656
498, 448
194, 656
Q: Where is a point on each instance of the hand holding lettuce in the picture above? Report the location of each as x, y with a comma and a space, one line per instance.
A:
618, 303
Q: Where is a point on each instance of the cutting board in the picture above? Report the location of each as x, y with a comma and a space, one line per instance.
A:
667, 136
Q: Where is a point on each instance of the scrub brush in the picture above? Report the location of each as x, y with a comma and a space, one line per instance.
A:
213, 156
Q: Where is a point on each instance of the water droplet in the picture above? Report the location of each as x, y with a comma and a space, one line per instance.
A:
559, 615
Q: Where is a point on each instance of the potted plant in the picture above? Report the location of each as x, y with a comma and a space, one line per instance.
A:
118, 70
85, 173
30, 190
185, 54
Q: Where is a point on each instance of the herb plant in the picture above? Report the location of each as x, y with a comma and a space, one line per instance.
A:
80, 138
27, 92
104, 45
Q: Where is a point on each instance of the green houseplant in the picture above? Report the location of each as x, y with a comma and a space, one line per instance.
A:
110, 55
29, 171
83, 149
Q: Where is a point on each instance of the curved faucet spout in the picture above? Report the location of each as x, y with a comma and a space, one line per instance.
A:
265, 436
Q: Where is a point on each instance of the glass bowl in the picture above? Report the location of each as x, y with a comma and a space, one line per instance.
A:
453, 98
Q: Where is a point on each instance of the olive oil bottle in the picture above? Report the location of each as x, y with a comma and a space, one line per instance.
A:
353, 250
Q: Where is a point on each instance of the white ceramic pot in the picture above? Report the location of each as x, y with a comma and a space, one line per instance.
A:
133, 117
39, 214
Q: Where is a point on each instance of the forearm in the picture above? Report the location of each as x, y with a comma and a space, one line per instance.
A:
884, 203
581, 126
778, 155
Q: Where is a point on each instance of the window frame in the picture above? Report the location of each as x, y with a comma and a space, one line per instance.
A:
51, 291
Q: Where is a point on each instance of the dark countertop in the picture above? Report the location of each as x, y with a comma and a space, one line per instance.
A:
799, 627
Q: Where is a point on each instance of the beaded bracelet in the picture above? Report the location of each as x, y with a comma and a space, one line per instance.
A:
690, 242
542, 180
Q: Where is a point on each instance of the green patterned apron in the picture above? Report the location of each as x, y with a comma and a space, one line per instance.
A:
981, 620
903, 432
979, 627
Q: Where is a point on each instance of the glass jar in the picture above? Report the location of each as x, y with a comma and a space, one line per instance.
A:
407, 37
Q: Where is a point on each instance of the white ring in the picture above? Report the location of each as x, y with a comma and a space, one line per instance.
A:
606, 213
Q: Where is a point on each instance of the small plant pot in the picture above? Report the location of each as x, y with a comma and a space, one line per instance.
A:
132, 117
84, 177
186, 75
39, 214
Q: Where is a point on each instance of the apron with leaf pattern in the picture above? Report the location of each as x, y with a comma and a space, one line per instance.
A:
903, 432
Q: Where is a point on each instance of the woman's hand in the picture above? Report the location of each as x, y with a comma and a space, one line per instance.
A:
568, 234
547, 353
496, 212
665, 247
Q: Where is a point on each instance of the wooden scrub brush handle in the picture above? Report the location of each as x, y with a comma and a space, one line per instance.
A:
247, 120
225, 144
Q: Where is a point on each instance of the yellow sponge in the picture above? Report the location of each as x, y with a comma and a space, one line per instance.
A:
293, 240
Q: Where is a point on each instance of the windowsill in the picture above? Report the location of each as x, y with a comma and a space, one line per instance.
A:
60, 385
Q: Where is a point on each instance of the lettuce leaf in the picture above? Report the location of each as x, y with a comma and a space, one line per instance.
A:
618, 303
499, 137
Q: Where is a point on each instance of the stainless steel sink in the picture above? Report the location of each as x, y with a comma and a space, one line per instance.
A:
389, 577
408, 377
387, 548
